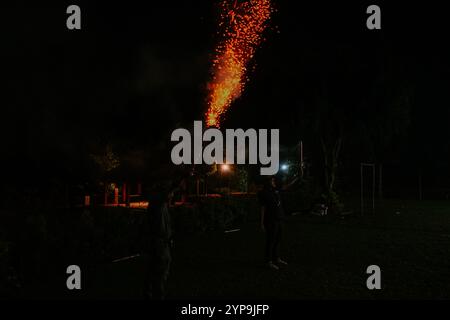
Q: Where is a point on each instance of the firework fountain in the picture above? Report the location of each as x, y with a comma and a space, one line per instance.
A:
242, 24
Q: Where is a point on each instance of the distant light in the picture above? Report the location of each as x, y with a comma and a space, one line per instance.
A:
285, 167
225, 167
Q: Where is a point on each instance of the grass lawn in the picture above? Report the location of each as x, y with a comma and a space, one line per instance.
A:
328, 258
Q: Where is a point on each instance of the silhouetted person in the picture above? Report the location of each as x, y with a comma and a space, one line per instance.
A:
159, 244
272, 217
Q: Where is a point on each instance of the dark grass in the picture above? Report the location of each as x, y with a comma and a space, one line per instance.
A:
328, 258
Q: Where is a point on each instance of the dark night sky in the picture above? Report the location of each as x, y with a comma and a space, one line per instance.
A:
137, 70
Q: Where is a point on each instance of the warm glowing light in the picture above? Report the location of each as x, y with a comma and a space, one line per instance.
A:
139, 205
243, 23
225, 168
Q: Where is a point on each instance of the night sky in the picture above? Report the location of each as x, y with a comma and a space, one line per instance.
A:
136, 71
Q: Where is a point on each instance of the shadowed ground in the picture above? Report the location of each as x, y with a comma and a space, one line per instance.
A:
328, 258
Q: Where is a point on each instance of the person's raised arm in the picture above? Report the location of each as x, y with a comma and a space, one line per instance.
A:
290, 184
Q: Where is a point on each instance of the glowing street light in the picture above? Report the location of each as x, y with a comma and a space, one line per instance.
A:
225, 168
284, 167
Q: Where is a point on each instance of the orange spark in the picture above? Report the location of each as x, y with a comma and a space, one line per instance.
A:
243, 24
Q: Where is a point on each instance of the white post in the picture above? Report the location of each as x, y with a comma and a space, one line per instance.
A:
301, 158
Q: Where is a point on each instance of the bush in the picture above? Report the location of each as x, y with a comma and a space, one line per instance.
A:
92, 235
212, 214
333, 201
8, 276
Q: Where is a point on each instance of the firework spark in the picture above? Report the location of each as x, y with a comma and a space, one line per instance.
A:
243, 24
